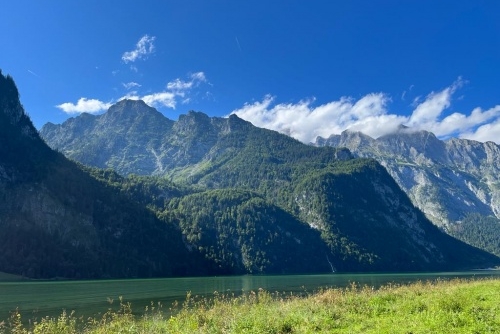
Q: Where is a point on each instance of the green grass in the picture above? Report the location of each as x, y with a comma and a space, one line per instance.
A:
456, 306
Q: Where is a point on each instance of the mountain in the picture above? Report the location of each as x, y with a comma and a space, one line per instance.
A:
257, 201
138, 139
65, 220
56, 220
131, 144
450, 181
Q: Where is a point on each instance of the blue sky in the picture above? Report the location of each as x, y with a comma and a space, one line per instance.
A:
305, 68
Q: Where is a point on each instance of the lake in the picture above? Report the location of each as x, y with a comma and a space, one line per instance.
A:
36, 299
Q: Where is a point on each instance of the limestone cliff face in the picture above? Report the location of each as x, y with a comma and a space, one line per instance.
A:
445, 179
126, 138
133, 138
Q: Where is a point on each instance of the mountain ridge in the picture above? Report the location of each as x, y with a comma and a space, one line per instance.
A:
319, 187
423, 150
448, 180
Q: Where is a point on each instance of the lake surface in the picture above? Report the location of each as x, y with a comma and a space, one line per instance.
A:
36, 299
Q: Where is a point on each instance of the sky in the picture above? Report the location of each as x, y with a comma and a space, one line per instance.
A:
304, 68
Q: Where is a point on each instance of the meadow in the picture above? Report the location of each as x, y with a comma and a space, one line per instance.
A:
442, 306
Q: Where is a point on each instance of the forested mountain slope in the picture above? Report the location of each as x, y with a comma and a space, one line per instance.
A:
249, 186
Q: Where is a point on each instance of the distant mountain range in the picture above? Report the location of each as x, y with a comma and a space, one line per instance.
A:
456, 182
251, 200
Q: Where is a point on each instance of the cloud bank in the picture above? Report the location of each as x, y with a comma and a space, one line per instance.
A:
176, 91
143, 48
370, 115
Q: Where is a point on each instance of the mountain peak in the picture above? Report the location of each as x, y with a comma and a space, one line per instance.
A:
198, 115
348, 138
23, 155
193, 118
131, 103
131, 107
235, 120
357, 134
12, 114
127, 111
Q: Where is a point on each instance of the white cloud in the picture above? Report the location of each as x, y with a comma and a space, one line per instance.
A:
458, 123
178, 84
181, 86
486, 132
370, 115
91, 106
198, 77
155, 100
130, 85
305, 122
428, 116
143, 48
175, 90
428, 111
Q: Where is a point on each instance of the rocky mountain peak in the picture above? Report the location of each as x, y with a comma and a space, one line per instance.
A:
192, 123
356, 137
352, 140
22, 152
12, 115
128, 104
236, 123
194, 117
129, 110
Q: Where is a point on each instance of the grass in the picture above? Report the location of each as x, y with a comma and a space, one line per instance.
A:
457, 306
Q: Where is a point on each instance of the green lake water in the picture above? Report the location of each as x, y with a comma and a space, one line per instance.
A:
36, 299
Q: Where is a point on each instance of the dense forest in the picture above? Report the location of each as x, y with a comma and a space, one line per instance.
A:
479, 231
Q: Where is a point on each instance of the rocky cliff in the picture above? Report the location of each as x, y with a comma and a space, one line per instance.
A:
456, 182
445, 179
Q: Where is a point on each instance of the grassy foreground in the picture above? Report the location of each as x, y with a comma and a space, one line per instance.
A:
456, 306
